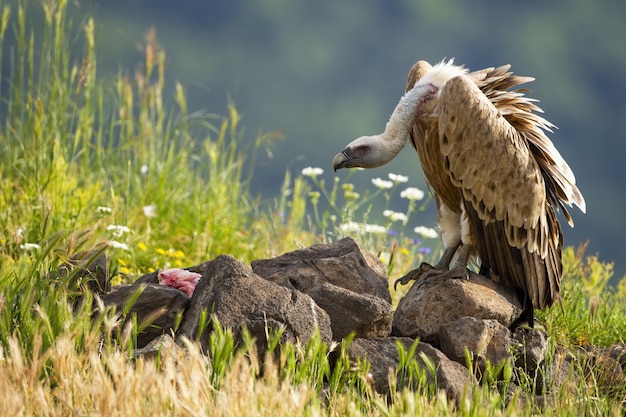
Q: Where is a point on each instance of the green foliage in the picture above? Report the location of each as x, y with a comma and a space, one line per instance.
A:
419, 376
591, 312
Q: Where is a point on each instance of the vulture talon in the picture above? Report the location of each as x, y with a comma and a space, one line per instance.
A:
416, 275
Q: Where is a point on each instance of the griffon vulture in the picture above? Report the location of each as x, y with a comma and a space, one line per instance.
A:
495, 175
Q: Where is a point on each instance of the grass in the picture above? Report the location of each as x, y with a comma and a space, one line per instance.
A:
116, 166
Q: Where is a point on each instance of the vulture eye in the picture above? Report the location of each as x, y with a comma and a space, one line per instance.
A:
363, 150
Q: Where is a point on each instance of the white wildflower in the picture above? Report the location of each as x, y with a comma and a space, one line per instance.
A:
397, 178
312, 172
381, 183
362, 228
375, 228
117, 245
395, 216
426, 232
30, 246
350, 227
412, 193
144, 169
150, 211
104, 210
117, 230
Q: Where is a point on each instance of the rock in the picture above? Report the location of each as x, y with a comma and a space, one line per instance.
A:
365, 315
486, 340
238, 298
343, 263
343, 279
162, 346
150, 278
85, 270
607, 374
382, 354
558, 372
433, 302
618, 352
603, 370
530, 347
156, 308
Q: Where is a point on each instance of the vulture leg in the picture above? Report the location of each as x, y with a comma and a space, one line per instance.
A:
446, 258
459, 269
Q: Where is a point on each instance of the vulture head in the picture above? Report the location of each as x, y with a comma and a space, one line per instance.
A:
364, 152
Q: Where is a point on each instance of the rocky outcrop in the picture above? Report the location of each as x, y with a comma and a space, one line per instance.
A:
484, 341
344, 280
432, 303
239, 299
384, 358
153, 307
338, 291
84, 271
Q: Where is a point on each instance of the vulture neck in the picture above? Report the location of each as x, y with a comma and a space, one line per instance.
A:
416, 101
402, 119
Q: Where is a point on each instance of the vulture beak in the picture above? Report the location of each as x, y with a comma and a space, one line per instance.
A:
342, 159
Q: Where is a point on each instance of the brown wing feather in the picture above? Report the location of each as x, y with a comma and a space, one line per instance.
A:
503, 189
424, 138
524, 116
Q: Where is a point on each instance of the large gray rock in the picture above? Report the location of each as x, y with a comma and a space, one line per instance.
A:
433, 302
239, 299
530, 347
604, 371
156, 308
383, 357
343, 263
349, 283
618, 352
365, 315
161, 347
485, 340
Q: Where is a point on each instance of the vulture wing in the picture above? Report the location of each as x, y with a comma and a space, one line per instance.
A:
423, 138
505, 195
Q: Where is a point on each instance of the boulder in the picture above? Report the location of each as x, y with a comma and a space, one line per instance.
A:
383, 357
349, 283
156, 308
604, 370
160, 347
238, 298
433, 302
485, 340
529, 347
618, 352
362, 314
560, 373
343, 263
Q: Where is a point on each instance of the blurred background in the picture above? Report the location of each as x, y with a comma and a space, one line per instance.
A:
326, 72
